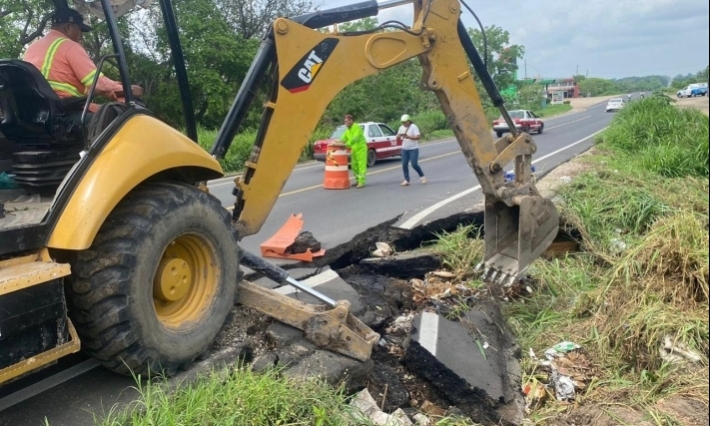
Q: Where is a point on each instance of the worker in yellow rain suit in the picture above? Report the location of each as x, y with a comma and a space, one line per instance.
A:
354, 138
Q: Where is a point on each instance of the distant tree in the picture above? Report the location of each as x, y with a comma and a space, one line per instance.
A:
251, 18
500, 55
594, 86
530, 95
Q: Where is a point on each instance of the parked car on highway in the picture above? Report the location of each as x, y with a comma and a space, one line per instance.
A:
614, 105
693, 90
381, 142
525, 121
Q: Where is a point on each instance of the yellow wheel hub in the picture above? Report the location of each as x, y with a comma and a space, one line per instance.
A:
186, 281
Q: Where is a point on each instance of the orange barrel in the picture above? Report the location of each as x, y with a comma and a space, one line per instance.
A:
337, 175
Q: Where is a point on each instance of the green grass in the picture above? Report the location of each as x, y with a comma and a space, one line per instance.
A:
238, 397
660, 138
643, 274
553, 110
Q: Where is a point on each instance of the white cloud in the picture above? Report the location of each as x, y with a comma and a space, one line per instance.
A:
609, 38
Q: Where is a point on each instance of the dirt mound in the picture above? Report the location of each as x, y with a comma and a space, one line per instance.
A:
700, 103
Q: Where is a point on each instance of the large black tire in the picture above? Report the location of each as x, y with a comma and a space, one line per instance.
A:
126, 320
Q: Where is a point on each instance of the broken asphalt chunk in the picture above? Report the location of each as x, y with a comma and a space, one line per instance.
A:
404, 266
474, 362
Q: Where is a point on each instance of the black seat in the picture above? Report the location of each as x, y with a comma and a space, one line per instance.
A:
32, 113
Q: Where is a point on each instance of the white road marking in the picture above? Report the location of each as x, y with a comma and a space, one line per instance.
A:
48, 383
429, 332
414, 220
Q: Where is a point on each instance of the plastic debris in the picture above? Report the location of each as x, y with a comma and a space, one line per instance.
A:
677, 353
564, 386
536, 393
569, 371
6, 182
369, 411
560, 349
509, 176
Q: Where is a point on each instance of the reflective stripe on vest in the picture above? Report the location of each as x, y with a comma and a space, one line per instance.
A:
47, 67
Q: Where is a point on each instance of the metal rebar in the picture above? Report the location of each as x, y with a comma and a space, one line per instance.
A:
392, 3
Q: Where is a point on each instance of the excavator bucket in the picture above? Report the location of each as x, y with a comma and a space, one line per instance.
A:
516, 236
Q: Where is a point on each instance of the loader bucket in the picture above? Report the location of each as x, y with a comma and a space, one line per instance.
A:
516, 236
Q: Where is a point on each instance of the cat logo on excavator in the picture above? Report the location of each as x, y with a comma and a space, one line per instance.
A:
300, 78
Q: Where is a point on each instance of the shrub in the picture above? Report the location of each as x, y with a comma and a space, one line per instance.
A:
661, 138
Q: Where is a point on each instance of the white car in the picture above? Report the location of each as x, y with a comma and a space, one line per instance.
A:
614, 105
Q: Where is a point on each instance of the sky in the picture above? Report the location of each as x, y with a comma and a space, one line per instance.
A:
600, 38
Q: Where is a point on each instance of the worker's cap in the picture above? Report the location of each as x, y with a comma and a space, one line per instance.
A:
70, 16
406, 118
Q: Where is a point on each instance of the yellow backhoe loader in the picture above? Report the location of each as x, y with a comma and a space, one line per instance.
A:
133, 261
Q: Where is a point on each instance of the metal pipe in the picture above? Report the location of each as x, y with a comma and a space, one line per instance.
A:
118, 49
392, 3
171, 29
338, 15
281, 276
318, 295
90, 96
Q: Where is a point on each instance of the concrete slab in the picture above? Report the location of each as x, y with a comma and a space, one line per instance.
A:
473, 361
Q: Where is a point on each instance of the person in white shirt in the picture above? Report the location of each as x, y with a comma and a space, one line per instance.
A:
410, 135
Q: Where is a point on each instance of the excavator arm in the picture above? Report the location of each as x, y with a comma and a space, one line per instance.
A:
309, 68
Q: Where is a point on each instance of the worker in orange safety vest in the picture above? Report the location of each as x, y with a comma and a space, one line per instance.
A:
66, 65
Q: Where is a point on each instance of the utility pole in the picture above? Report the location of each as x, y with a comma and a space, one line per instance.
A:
587, 76
526, 68
577, 70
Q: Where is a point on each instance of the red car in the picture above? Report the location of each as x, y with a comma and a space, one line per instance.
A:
525, 121
381, 142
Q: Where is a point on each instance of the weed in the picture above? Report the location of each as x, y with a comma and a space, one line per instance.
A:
641, 285
239, 397
552, 110
461, 250
663, 139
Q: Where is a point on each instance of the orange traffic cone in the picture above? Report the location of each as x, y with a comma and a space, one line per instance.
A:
276, 245
336, 168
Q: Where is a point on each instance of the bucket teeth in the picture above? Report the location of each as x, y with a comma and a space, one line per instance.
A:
495, 276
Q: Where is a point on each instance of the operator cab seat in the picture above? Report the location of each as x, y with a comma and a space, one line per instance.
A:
32, 113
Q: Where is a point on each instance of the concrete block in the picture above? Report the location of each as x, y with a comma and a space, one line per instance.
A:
474, 362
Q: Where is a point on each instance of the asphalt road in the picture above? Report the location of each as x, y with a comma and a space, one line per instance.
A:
334, 217
68, 393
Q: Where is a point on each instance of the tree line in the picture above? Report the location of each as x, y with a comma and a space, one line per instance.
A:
221, 37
